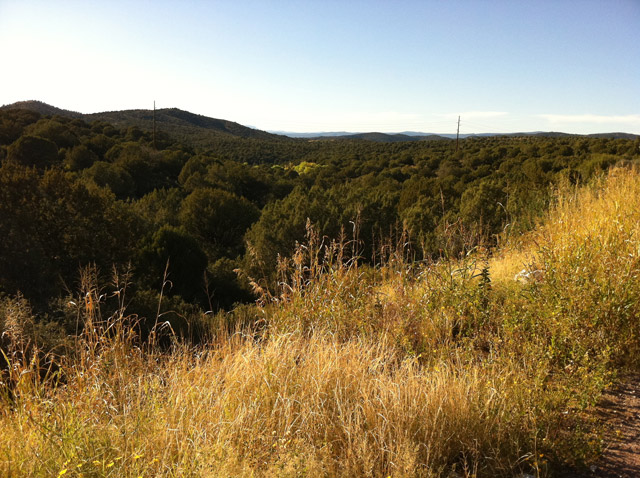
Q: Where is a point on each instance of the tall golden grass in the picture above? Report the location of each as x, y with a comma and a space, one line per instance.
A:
399, 370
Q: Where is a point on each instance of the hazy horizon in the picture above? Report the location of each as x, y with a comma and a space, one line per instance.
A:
334, 132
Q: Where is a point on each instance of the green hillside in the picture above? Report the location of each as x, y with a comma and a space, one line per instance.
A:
191, 129
196, 130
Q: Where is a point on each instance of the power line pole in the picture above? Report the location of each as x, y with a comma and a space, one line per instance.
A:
154, 124
457, 134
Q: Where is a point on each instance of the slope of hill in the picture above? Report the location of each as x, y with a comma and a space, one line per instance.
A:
180, 123
195, 130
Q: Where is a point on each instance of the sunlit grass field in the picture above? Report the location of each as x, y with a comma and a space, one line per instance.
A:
400, 370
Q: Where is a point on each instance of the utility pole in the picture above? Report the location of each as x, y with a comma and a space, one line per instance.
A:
457, 134
154, 124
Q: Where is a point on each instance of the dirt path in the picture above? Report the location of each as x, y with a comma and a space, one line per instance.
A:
620, 408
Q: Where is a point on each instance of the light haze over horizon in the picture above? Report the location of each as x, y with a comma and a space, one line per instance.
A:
313, 66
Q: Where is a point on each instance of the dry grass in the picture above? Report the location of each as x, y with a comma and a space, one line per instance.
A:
353, 371
291, 406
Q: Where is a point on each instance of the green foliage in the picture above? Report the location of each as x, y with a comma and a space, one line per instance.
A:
160, 207
33, 151
224, 287
58, 130
111, 176
483, 205
100, 144
13, 124
283, 223
192, 174
79, 157
52, 225
305, 167
252, 182
172, 255
597, 163
23, 256
219, 219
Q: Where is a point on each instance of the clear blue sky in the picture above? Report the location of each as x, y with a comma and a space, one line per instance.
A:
504, 66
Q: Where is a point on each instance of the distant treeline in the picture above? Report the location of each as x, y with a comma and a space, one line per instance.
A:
74, 194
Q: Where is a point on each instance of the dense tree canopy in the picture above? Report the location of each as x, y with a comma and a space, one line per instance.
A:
74, 193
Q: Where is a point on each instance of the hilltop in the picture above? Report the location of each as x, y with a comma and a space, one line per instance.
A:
42, 108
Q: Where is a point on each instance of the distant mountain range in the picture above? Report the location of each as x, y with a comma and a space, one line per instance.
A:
373, 136
199, 131
417, 136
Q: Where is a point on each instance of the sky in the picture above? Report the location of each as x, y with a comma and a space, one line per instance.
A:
324, 65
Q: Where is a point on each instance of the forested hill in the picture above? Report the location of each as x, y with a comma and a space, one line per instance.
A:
192, 129
41, 108
182, 125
